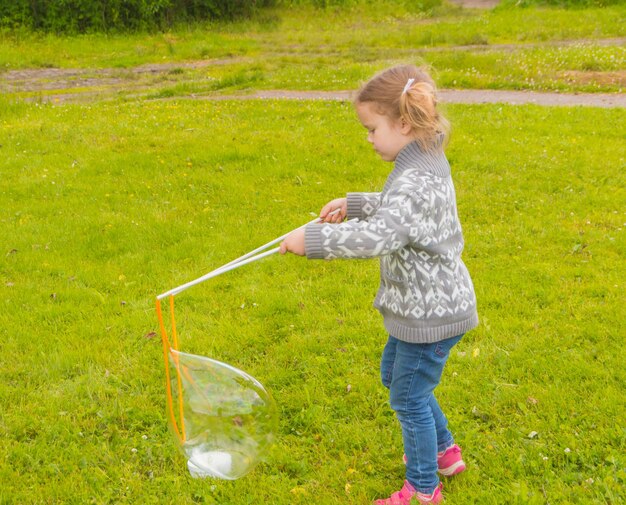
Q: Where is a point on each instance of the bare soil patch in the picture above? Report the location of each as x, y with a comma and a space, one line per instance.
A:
591, 77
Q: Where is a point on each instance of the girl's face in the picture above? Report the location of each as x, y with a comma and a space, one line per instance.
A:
387, 136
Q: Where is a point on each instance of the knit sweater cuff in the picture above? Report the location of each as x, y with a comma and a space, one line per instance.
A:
313, 241
355, 205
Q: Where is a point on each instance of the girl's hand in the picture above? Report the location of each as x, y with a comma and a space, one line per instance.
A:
294, 243
337, 203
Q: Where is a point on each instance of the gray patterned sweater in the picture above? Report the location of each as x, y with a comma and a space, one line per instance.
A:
426, 293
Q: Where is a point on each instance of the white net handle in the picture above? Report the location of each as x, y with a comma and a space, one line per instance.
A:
236, 263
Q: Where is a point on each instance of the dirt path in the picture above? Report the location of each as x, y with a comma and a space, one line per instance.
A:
62, 85
477, 4
468, 96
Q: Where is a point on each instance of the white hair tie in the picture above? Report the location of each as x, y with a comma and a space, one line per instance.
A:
408, 85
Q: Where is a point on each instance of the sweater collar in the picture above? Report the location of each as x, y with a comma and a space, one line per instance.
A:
412, 156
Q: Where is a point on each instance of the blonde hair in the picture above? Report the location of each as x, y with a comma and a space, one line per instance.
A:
407, 93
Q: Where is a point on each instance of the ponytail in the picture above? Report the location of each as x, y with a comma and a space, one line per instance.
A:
418, 108
407, 93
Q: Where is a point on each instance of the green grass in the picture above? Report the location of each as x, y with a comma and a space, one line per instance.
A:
333, 49
305, 29
106, 205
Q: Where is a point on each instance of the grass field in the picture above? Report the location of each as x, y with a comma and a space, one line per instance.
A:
106, 205
507, 48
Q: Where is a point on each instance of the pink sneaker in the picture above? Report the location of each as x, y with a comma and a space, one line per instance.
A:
404, 496
450, 462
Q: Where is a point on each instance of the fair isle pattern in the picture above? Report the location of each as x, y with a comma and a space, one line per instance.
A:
362, 205
426, 293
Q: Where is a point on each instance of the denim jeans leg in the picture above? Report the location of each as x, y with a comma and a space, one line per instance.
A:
417, 369
387, 361
444, 437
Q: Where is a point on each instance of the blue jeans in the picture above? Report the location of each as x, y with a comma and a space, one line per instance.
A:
411, 372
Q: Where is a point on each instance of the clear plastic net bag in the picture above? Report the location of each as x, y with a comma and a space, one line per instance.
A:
228, 418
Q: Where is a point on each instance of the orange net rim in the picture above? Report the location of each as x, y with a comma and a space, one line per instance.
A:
180, 431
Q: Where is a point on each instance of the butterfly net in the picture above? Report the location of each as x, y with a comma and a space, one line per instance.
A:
223, 418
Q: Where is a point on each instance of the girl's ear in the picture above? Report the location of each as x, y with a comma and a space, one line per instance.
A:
405, 127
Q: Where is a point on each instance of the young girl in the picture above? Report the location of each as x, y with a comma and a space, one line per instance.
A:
426, 296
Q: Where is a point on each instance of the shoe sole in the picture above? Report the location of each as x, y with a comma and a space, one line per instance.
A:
454, 469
